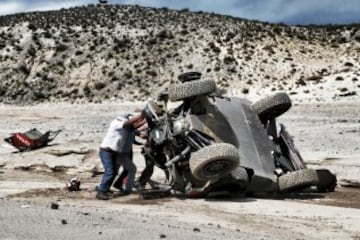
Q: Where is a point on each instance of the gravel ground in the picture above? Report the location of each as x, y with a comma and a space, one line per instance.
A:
37, 220
327, 135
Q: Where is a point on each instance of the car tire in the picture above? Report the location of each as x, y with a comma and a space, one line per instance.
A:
237, 180
327, 180
214, 161
297, 180
272, 106
191, 89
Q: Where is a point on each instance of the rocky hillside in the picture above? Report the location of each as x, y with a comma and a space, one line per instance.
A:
125, 52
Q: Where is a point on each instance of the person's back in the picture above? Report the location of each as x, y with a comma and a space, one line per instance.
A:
114, 136
116, 150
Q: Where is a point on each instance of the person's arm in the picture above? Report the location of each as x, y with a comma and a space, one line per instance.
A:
139, 122
141, 134
135, 122
143, 128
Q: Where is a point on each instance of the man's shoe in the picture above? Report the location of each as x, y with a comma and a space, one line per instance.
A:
97, 189
122, 193
103, 196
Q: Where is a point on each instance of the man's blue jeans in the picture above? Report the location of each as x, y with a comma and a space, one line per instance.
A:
111, 168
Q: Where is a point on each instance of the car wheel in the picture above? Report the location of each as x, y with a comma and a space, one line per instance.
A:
327, 180
214, 161
237, 180
272, 106
297, 180
191, 89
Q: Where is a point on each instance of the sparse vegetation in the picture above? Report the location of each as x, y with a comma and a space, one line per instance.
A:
144, 51
339, 78
61, 47
315, 78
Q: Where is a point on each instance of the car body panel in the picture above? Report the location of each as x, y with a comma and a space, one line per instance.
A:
232, 120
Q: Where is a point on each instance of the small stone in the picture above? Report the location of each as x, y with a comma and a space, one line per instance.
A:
63, 221
54, 206
162, 236
196, 229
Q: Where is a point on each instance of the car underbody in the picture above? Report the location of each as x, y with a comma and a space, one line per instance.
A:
211, 143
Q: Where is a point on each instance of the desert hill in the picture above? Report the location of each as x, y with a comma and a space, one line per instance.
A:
98, 52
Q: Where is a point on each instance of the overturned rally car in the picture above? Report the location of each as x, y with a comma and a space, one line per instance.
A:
214, 143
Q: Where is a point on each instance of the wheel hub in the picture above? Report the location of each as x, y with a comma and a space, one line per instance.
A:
216, 167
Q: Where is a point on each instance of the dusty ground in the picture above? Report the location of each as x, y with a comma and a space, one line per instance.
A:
328, 135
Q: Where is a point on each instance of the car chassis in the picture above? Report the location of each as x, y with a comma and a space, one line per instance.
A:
213, 143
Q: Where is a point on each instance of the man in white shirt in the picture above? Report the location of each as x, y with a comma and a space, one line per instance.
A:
116, 150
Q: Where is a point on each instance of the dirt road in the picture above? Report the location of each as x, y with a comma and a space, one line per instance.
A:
327, 135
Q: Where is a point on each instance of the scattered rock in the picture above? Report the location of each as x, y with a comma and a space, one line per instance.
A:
59, 168
349, 183
348, 64
64, 152
63, 222
23, 168
162, 236
347, 94
196, 229
73, 184
339, 78
95, 171
34, 167
54, 206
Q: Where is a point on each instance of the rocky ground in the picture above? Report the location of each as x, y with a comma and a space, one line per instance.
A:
326, 134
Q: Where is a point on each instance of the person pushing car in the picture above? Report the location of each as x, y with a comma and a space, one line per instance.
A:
116, 150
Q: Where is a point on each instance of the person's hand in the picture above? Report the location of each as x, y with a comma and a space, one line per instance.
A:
143, 127
143, 135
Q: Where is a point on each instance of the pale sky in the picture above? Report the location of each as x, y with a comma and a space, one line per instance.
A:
285, 11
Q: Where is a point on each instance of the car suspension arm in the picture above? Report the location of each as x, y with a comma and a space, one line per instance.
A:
177, 158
